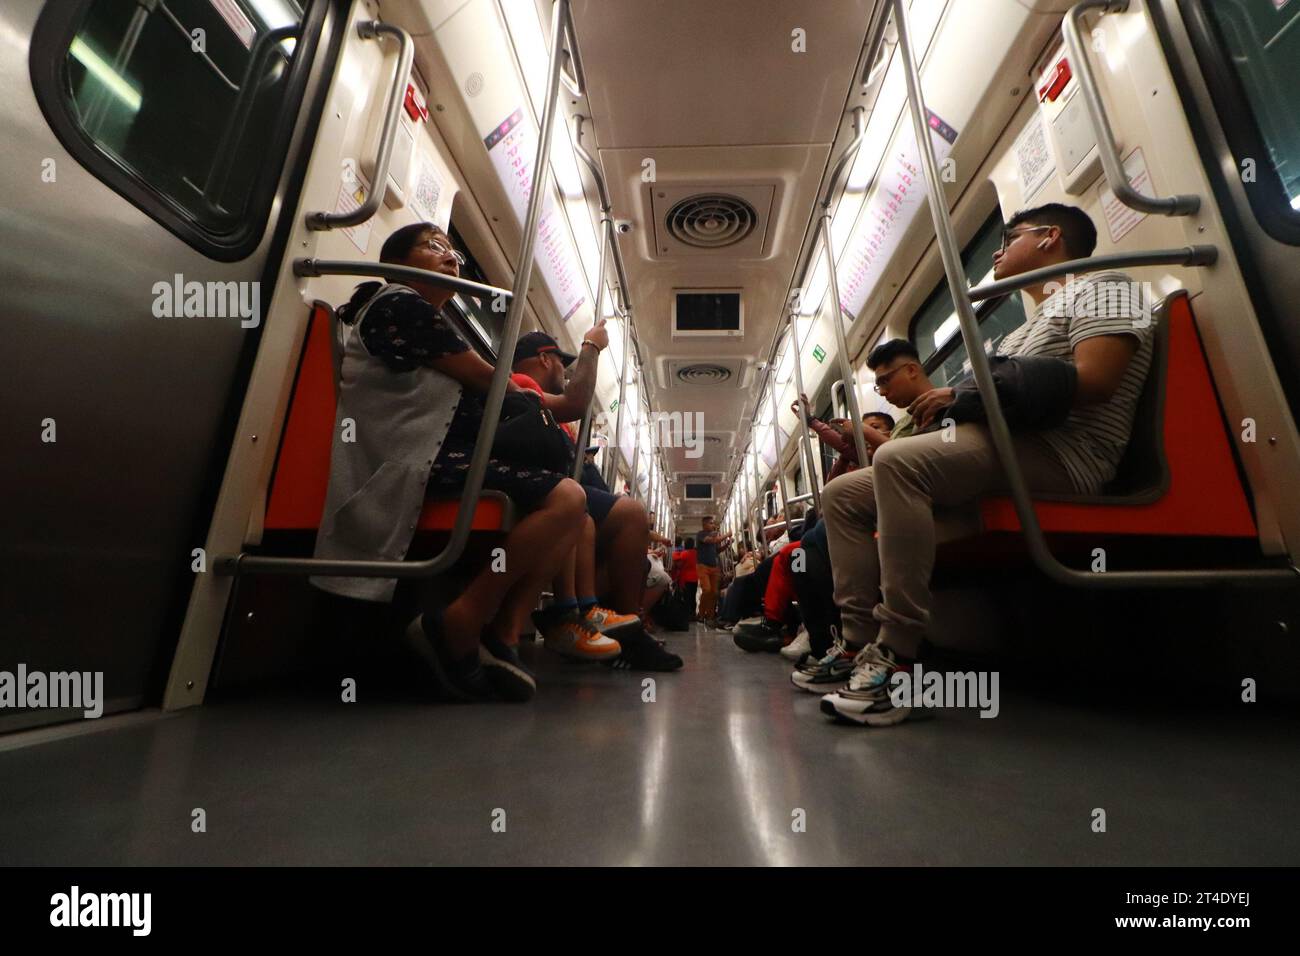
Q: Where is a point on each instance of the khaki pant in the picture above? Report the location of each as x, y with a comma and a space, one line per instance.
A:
710, 578
882, 585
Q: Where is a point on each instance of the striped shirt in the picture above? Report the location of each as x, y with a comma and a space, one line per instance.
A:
1092, 440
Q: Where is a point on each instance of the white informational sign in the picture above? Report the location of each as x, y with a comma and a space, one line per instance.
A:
893, 204
1034, 159
427, 191
351, 195
239, 24
767, 445
1120, 219
513, 146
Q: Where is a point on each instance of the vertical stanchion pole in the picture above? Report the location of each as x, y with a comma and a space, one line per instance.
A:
780, 470
805, 440
833, 287
611, 463
636, 449
523, 275
584, 432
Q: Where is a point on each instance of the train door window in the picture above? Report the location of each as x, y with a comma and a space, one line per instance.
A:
1252, 52
183, 106
490, 323
935, 331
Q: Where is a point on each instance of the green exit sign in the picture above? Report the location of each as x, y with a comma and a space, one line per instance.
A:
613, 406
819, 353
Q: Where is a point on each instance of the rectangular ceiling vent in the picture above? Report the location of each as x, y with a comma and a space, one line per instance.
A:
711, 220
712, 477
691, 371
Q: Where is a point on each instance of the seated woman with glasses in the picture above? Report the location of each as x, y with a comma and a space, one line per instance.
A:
410, 401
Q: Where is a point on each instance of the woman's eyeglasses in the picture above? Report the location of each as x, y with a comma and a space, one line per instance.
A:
443, 248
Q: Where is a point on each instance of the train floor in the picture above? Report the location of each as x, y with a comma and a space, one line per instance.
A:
728, 764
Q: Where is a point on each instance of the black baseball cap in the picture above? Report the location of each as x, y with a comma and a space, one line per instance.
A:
534, 344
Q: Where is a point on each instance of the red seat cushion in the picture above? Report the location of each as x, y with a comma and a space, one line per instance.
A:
1204, 497
297, 497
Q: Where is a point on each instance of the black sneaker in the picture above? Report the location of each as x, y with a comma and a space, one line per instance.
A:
641, 652
768, 636
461, 680
505, 671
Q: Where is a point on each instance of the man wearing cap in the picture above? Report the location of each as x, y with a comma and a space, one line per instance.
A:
622, 525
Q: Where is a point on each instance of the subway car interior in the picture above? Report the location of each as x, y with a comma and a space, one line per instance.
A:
302, 570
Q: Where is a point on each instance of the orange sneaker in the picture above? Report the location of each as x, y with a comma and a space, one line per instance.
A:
609, 622
572, 636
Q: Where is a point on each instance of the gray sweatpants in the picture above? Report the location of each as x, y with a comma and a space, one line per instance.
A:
882, 586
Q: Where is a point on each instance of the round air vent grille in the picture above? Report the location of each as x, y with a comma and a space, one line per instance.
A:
711, 221
703, 373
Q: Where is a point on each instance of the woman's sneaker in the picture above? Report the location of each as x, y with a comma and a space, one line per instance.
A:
461, 680
505, 671
571, 636
642, 652
611, 623
866, 699
798, 648
829, 673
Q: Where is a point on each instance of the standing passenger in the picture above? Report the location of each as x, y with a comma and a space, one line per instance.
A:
706, 558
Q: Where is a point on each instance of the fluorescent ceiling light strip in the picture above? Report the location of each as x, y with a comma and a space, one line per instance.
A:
113, 81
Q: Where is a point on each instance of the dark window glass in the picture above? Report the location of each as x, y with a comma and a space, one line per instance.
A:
487, 322
182, 94
1262, 39
935, 331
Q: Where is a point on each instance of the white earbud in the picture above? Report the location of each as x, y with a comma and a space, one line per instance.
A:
1044, 243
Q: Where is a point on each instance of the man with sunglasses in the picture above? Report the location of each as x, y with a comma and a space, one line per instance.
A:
1099, 325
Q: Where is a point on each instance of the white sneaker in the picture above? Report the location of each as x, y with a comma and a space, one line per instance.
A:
866, 699
797, 648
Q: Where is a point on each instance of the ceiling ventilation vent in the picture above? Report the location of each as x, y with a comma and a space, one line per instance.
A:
684, 371
711, 221
726, 220
703, 373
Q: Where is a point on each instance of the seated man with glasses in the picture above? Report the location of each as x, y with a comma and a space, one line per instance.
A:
1100, 325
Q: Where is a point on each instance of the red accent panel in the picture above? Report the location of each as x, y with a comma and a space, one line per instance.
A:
297, 496
1204, 497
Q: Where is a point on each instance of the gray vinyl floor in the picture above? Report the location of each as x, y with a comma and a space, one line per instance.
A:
721, 768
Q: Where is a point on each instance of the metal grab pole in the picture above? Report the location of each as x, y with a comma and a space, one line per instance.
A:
837, 318
611, 461
584, 432
780, 469
997, 423
636, 462
805, 442
310, 268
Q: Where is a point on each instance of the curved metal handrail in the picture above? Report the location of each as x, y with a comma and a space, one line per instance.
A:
1116, 178
373, 30
310, 267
